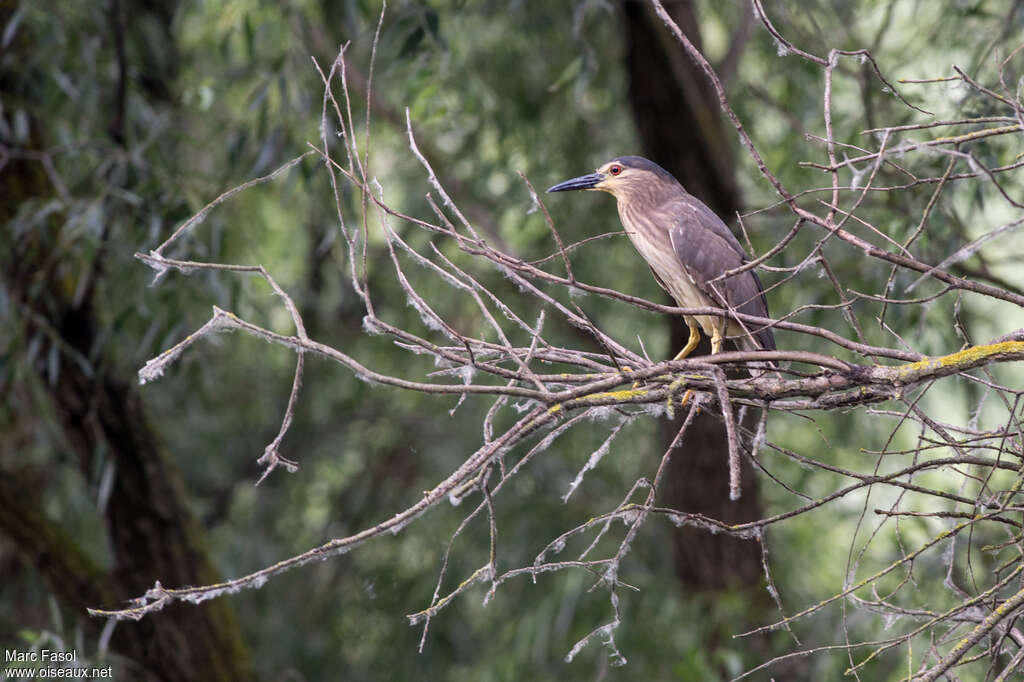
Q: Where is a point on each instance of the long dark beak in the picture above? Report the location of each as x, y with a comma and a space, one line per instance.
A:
582, 182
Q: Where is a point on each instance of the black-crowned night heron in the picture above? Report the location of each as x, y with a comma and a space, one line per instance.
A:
687, 246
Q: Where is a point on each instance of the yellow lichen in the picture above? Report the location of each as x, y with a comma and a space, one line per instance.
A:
963, 358
625, 394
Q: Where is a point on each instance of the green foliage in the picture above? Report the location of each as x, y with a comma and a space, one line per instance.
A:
492, 88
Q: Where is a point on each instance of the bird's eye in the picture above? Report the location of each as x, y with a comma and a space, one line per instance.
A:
615, 170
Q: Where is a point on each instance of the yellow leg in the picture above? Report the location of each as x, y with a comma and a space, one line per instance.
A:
686, 397
670, 403
693, 340
691, 343
716, 340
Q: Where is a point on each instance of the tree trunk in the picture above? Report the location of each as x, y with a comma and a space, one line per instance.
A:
680, 127
96, 413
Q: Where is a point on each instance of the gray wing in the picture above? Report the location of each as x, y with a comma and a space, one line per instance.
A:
706, 248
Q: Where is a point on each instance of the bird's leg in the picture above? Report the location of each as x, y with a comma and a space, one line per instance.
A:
628, 369
670, 404
692, 341
716, 339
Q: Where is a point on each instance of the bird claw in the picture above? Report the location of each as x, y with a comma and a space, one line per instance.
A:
637, 383
672, 388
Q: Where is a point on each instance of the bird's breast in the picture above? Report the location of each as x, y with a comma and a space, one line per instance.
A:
654, 245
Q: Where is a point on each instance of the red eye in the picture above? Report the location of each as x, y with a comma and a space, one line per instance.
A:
615, 170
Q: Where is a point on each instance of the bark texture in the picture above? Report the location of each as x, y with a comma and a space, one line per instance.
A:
681, 128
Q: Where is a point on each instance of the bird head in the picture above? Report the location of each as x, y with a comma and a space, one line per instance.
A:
621, 177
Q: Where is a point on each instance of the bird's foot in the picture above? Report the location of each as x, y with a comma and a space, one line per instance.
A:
637, 383
673, 388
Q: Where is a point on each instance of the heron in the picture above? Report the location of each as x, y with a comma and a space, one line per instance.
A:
687, 247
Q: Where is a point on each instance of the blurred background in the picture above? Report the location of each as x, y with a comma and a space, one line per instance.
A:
122, 118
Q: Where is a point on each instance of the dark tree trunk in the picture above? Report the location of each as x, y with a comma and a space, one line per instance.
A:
97, 413
680, 127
